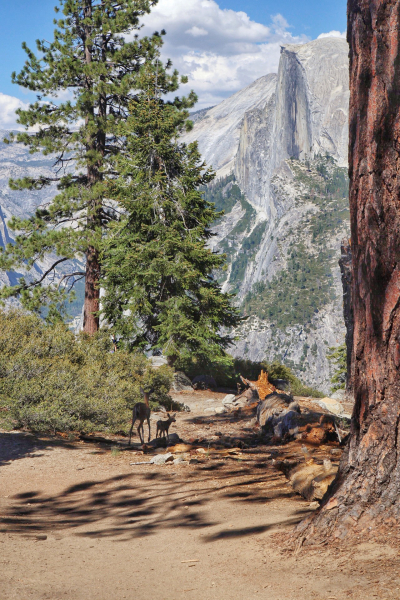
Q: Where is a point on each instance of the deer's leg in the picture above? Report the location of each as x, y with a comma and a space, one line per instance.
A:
148, 423
140, 432
130, 432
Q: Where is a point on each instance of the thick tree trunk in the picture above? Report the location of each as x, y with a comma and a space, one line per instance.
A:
366, 494
345, 263
95, 143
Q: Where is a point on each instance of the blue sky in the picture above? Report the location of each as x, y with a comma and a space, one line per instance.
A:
222, 45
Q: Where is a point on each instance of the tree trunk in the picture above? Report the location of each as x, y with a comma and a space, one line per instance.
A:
92, 292
365, 497
95, 143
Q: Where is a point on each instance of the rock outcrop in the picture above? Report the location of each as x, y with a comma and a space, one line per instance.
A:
217, 129
306, 116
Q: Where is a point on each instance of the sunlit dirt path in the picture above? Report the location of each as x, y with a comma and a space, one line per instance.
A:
78, 521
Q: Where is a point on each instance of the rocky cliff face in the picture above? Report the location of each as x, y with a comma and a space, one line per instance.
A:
282, 238
307, 116
218, 129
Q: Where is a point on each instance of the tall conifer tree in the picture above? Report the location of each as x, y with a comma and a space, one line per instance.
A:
159, 283
91, 57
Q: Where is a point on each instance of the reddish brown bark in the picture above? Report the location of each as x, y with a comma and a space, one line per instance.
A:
366, 494
95, 144
92, 292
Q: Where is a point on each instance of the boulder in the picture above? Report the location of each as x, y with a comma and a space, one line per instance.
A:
229, 398
281, 384
204, 382
181, 382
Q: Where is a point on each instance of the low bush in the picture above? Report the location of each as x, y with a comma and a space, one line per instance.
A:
226, 371
54, 380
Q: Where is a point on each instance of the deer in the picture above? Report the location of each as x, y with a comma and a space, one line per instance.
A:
163, 426
141, 411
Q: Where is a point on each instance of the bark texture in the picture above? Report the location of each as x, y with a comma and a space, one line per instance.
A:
366, 493
345, 263
91, 306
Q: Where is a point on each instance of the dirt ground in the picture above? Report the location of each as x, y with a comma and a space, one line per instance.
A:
82, 520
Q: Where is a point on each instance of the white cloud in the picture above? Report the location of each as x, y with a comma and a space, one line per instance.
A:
196, 31
332, 33
220, 50
8, 106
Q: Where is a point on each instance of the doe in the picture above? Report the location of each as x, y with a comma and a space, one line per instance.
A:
141, 411
163, 426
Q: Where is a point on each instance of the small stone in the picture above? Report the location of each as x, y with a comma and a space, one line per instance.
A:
193, 461
220, 410
41, 537
179, 459
200, 451
209, 410
228, 399
161, 459
314, 505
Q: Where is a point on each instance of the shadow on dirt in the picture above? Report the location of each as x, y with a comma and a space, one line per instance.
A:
140, 504
15, 445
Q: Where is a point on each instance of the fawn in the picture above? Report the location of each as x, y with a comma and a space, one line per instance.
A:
163, 426
141, 411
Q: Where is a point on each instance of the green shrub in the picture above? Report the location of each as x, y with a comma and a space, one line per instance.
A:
53, 380
226, 373
338, 358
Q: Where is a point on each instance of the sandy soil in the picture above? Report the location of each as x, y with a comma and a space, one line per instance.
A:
81, 521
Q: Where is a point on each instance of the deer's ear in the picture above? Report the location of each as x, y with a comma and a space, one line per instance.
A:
168, 415
141, 390
174, 415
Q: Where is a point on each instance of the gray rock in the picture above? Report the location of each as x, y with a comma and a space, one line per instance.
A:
161, 459
209, 410
220, 410
158, 361
281, 384
229, 398
181, 382
204, 382
179, 460
218, 130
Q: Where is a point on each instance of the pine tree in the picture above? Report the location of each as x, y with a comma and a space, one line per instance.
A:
92, 59
159, 283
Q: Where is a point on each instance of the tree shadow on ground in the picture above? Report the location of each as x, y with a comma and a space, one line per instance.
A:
149, 500
15, 445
